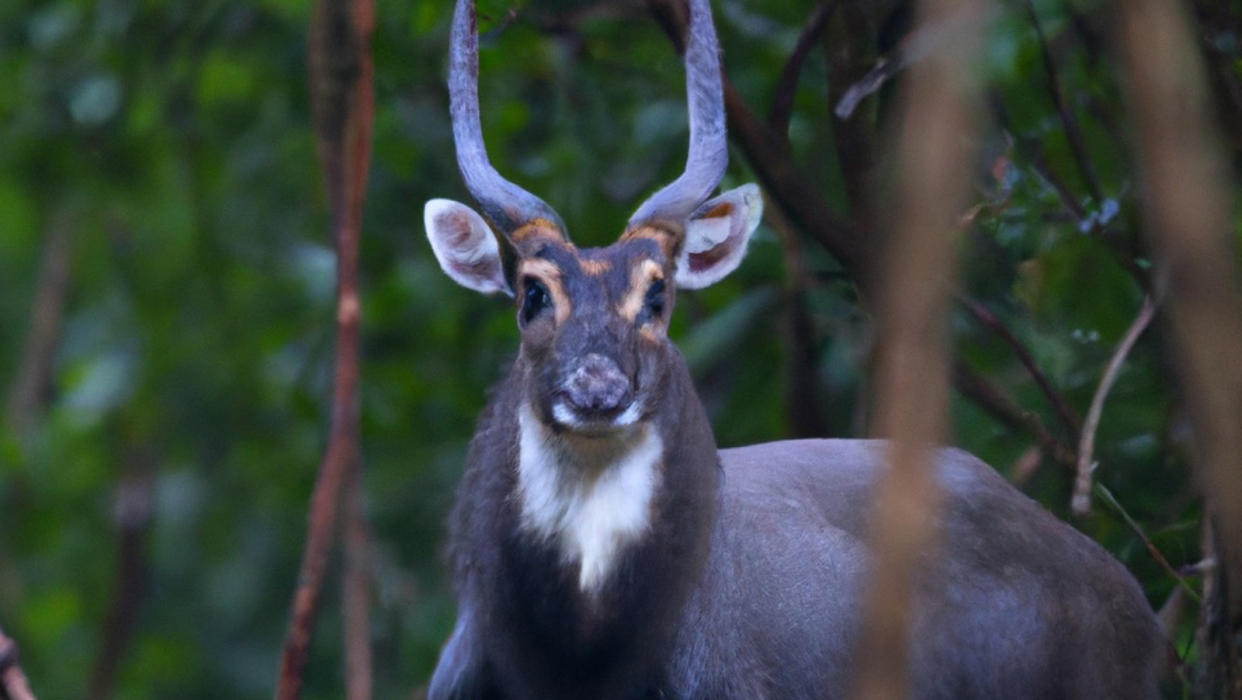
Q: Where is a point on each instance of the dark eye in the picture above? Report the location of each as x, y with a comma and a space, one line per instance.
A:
534, 300
654, 303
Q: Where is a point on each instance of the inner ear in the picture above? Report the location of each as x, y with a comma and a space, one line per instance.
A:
465, 246
716, 237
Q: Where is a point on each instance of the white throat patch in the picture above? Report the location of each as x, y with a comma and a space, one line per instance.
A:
591, 496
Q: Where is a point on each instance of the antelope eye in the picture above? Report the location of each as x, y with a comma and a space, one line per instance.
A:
534, 300
654, 302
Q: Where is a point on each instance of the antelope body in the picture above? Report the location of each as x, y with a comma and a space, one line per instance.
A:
603, 547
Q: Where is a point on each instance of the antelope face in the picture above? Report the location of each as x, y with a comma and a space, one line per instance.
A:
594, 321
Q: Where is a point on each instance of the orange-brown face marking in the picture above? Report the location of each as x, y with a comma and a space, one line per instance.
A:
667, 238
537, 228
549, 274
641, 278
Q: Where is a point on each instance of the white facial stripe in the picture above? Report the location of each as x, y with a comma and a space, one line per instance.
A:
592, 497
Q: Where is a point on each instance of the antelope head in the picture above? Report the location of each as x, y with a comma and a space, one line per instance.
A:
594, 321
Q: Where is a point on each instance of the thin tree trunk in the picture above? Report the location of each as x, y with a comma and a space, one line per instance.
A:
342, 95
1186, 196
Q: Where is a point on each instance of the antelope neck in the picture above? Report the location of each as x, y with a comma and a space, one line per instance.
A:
589, 497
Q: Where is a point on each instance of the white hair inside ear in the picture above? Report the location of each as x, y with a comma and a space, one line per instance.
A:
465, 246
716, 236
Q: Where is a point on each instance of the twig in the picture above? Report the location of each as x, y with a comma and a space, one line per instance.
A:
1080, 503
12, 679
1033, 151
1072, 132
918, 45
342, 94
1023, 469
1187, 195
987, 396
987, 318
1107, 496
787, 86
912, 378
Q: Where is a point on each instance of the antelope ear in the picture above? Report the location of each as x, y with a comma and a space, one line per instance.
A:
716, 236
465, 246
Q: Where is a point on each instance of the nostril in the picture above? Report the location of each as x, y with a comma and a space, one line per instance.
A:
597, 386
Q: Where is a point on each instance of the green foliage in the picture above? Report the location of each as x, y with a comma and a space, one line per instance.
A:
174, 139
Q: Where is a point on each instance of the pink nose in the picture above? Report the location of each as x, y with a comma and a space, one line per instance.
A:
597, 386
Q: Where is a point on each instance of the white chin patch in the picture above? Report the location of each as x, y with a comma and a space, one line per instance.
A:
629, 416
590, 497
567, 417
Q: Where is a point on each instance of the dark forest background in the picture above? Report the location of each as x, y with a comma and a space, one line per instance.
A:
167, 303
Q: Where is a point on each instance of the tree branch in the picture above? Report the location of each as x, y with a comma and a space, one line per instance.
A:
342, 94
1032, 150
33, 377
1080, 503
850, 50
1152, 549
787, 86
357, 592
1072, 132
804, 405
1067, 415
987, 396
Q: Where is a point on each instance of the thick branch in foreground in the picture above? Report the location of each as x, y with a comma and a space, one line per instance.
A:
912, 379
342, 94
13, 683
1186, 196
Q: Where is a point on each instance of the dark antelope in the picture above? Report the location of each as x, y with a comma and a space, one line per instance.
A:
601, 545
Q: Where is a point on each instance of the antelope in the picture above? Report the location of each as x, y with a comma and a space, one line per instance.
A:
601, 546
